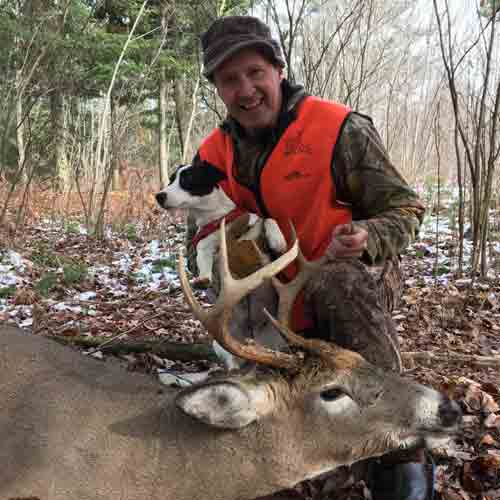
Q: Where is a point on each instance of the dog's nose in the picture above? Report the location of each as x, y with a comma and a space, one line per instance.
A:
161, 198
449, 413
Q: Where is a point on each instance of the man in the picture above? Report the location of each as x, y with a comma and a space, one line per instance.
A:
291, 156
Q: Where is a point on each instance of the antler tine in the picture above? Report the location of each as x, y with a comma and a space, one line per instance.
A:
326, 350
216, 318
288, 292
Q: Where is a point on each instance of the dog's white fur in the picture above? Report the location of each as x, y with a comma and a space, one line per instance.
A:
211, 207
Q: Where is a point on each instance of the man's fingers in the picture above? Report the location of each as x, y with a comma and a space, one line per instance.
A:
343, 229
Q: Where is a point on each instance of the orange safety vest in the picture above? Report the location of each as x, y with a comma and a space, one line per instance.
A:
296, 182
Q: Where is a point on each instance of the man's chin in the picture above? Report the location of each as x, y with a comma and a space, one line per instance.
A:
255, 125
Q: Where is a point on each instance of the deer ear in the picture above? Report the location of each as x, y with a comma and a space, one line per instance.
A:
223, 404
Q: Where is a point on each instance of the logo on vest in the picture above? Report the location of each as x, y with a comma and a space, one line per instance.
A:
294, 145
296, 174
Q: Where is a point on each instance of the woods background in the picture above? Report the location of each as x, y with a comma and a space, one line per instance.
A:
105, 96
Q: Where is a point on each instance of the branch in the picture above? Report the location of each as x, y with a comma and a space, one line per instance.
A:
176, 351
452, 357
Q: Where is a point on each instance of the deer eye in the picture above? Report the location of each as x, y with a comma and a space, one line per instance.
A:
332, 394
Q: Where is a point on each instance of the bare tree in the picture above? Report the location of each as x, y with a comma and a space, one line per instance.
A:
476, 112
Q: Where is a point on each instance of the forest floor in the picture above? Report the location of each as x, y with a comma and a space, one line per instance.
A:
56, 280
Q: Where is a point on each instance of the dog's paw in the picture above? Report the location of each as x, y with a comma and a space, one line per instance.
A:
201, 283
274, 236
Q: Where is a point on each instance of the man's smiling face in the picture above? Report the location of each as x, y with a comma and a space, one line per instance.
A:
250, 87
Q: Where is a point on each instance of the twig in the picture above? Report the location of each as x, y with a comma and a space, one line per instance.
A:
125, 333
452, 357
176, 351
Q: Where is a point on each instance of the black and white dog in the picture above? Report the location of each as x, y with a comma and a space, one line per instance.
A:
196, 188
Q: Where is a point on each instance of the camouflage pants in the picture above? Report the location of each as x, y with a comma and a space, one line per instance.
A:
351, 305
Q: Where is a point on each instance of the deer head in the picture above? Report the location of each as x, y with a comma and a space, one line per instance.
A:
324, 390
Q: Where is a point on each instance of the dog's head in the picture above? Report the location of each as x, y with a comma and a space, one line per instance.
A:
190, 185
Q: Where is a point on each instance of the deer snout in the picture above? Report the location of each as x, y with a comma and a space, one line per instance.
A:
449, 413
161, 198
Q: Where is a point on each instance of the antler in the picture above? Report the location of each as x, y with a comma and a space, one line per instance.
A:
288, 292
216, 318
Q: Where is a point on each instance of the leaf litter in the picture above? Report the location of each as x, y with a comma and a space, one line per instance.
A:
131, 288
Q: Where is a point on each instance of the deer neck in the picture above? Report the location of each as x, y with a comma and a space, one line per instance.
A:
243, 464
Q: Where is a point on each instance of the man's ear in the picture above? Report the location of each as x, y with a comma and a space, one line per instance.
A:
225, 404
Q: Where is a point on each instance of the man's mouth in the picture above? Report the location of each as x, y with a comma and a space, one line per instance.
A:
253, 105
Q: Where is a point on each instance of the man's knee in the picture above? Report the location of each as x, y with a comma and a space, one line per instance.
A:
342, 280
345, 304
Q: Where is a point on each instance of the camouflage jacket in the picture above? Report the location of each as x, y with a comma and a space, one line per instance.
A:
381, 200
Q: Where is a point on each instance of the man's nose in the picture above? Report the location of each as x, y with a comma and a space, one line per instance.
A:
246, 87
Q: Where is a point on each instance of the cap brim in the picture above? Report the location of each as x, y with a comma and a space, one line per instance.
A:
231, 51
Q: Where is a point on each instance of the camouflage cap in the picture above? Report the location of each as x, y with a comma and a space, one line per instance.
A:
228, 35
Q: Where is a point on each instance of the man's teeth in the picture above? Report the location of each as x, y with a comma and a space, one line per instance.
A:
248, 107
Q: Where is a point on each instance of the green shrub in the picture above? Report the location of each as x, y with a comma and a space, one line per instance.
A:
160, 264
440, 269
130, 231
7, 291
46, 284
419, 254
43, 256
72, 227
74, 272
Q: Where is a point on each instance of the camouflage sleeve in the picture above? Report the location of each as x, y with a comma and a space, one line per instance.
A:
382, 201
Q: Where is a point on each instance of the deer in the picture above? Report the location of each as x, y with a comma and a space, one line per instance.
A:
73, 427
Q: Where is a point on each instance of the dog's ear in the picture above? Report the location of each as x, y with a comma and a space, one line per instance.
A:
176, 171
212, 174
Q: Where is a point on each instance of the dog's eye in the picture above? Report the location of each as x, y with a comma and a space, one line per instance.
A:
332, 394
186, 179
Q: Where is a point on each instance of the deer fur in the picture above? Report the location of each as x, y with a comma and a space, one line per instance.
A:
72, 427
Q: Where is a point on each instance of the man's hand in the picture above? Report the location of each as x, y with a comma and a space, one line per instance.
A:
347, 241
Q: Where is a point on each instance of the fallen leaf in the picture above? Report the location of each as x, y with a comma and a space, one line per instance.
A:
492, 421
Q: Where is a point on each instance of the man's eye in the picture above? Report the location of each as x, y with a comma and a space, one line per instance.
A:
229, 80
332, 394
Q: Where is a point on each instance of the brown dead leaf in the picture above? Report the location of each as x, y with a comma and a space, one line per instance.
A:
476, 399
489, 405
488, 440
471, 480
488, 462
452, 494
491, 388
25, 296
492, 421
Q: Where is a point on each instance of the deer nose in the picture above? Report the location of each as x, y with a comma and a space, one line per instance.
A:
449, 413
161, 198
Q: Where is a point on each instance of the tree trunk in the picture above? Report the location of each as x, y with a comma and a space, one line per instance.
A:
115, 147
180, 112
61, 167
163, 98
21, 146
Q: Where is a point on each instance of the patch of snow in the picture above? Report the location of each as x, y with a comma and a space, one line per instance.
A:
6, 277
16, 260
62, 306
86, 296
154, 248
124, 263
21, 311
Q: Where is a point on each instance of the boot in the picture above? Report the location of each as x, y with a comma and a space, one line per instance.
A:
389, 479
